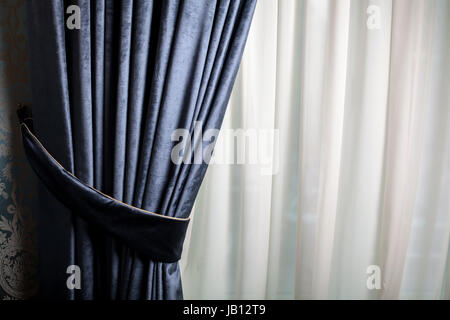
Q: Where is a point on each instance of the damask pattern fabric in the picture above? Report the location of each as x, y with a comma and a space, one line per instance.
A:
18, 245
106, 99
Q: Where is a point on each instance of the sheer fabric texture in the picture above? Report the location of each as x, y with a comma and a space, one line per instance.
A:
358, 91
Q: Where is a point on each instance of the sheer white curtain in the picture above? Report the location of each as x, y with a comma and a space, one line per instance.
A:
358, 93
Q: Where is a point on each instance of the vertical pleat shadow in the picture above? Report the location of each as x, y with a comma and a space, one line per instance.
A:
78, 55
111, 45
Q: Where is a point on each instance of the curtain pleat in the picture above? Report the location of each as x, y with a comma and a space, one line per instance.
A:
106, 100
52, 274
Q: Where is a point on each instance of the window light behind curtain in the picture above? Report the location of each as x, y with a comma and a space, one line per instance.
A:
364, 158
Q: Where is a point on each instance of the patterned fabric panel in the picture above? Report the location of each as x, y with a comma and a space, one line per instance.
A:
18, 245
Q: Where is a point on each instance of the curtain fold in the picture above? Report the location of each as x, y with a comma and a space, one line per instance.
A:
106, 99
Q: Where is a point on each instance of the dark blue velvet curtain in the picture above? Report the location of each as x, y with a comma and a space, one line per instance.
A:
106, 99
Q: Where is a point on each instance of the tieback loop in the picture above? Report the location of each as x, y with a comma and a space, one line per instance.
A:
154, 235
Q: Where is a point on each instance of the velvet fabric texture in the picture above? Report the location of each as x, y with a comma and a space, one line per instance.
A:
106, 100
153, 235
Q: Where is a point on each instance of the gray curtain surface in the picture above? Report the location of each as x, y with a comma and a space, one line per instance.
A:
106, 99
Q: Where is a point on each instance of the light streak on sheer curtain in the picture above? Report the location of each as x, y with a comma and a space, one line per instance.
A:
364, 156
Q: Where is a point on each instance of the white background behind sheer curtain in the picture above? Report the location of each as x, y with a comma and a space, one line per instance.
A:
364, 158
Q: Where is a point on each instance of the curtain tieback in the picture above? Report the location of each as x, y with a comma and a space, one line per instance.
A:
156, 236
